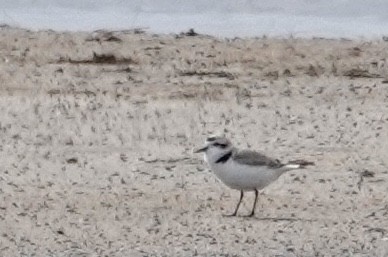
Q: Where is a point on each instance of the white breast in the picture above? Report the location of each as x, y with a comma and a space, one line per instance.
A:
245, 177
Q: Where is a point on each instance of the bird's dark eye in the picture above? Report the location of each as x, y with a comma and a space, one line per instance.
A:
210, 139
220, 145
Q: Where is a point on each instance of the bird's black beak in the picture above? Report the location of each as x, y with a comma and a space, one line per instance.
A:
203, 149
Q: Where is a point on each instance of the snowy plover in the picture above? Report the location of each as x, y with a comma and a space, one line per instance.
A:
244, 170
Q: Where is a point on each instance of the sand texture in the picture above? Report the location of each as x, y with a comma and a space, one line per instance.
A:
97, 132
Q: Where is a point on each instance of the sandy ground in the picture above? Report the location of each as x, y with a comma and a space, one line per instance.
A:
97, 131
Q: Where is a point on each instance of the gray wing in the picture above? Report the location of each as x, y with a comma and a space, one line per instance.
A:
253, 158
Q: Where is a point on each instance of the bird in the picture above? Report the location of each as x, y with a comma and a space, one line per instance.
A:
244, 170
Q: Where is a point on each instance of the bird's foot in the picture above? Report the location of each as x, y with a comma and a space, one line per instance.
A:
230, 215
252, 214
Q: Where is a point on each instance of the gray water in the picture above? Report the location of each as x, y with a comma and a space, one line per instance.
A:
227, 18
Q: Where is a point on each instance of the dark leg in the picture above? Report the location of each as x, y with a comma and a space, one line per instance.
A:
238, 204
254, 204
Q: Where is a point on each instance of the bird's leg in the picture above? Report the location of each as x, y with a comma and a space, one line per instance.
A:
238, 205
254, 204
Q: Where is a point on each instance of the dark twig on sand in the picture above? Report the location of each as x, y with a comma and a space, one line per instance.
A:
365, 173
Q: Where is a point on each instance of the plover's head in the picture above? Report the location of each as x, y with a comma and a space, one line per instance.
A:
215, 147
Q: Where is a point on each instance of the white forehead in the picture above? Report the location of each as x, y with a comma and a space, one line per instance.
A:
217, 139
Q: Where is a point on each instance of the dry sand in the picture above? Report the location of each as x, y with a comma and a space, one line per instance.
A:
97, 131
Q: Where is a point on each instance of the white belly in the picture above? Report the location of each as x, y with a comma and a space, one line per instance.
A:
245, 177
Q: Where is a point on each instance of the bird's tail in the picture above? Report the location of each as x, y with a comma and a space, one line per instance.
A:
298, 164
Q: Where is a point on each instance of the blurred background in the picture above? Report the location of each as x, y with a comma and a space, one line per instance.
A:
229, 18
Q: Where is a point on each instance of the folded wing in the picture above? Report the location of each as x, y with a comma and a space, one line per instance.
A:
253, 158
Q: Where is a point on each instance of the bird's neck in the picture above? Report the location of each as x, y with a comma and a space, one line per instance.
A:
214, 158
225, 157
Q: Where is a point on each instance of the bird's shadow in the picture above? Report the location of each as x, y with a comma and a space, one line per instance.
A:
272, 219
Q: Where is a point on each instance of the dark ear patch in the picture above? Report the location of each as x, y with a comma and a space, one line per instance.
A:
211, 139
220, 145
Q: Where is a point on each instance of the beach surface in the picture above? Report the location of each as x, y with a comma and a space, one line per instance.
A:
98, 131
